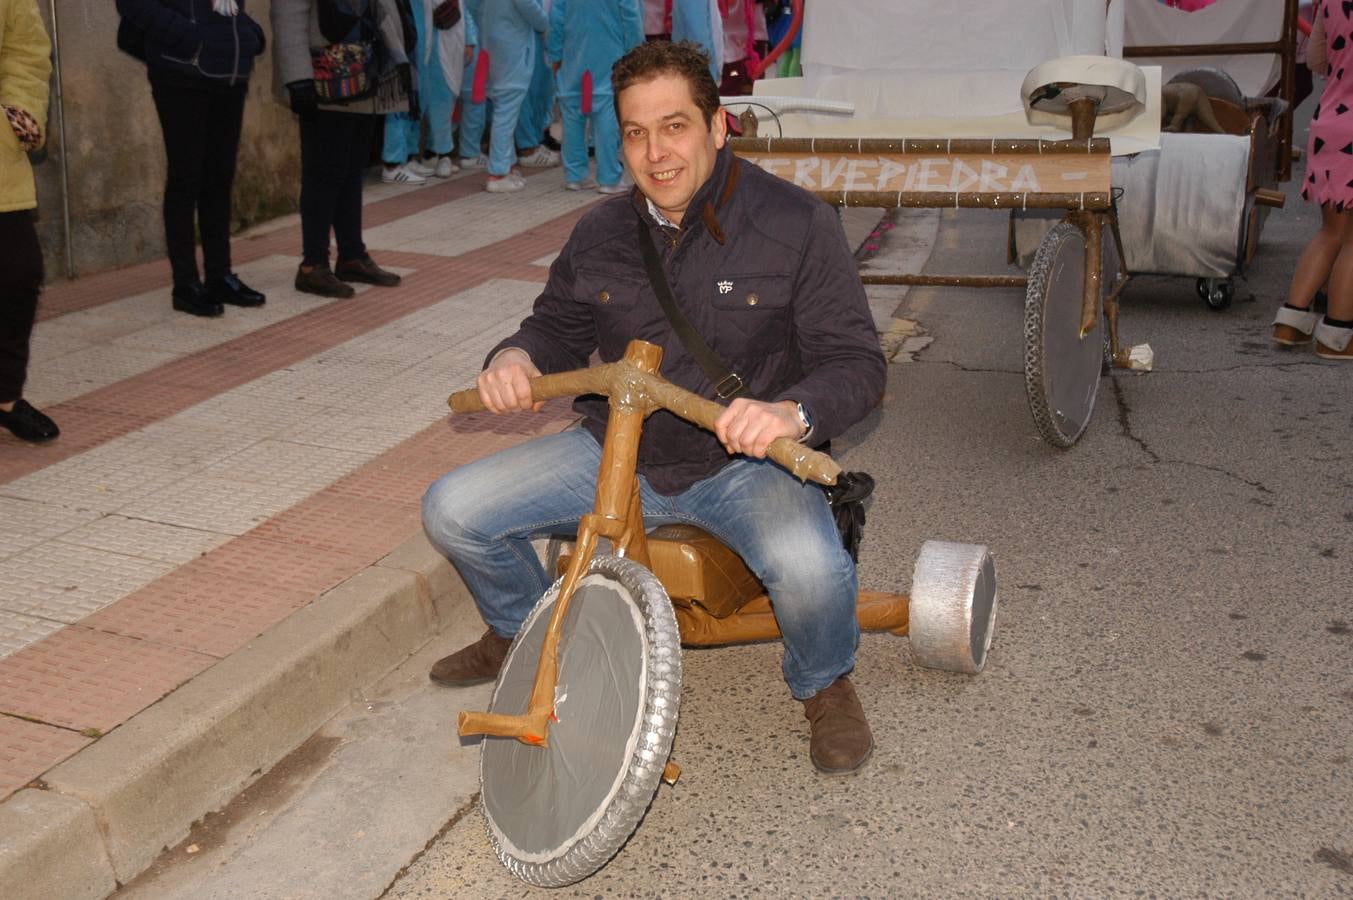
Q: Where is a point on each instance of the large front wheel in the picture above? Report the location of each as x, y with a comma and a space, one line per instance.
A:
556, 814
1061, 366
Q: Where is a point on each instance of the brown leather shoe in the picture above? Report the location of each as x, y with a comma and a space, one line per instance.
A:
366, 271
840, 741
474, 664
320, 280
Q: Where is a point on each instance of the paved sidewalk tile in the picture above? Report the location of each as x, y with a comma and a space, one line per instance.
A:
28, 747
66, 582
18, 630
80, 678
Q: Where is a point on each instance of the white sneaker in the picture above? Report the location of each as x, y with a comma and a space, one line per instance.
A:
540, 157
618, 188
419, 168
401, 175
445, 167
473, 162
505, 184
586, 184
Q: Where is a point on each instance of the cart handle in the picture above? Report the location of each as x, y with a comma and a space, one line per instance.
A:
627, 385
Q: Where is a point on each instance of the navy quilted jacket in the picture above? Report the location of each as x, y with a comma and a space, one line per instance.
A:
764, 274
187, 37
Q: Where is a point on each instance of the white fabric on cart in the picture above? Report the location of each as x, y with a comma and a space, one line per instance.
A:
958, 59
1182, 207
1151, 23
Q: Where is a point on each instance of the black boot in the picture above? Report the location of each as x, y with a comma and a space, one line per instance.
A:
193, 299
230, 289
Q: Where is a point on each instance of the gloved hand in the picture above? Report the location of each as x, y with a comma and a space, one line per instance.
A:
304, 99
446, 14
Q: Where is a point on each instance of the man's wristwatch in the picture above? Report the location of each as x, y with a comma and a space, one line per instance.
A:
804, 422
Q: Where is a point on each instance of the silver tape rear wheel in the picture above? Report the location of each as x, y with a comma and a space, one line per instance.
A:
1061, 368
557, 814
952, 613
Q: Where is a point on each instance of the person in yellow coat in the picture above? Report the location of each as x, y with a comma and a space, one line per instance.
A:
25, 66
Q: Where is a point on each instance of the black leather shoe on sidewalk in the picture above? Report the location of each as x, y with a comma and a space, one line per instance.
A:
366, 271
474, 664
840, 740
233, 291
27, 424
195, 301
320, 280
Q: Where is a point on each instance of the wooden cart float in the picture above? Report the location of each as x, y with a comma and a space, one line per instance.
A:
1077, 277
1270, 134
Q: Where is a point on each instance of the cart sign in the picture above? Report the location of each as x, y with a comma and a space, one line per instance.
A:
945, 173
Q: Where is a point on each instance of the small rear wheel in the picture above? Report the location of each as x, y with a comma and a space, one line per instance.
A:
1217, 293
953, 606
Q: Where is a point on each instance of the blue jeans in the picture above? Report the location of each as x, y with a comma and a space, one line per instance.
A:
482, 517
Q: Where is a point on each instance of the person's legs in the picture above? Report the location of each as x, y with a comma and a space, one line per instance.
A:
784, 531
358, 131
20, 281
482, 516
183, 113
1340, 306
401, 139
502, 146
1317, 259
323, 172
1294, 322
473, 116
606, 137
575, 139
1334, 333
225, 116
436, 101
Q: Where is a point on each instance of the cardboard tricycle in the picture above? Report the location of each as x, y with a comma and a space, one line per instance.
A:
580, 725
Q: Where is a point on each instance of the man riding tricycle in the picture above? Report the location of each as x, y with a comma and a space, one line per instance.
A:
745, 286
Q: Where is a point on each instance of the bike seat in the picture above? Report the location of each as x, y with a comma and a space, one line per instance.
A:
697, 567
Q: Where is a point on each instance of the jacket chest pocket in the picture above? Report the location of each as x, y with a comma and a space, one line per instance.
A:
606, 293
612, 300
753, 312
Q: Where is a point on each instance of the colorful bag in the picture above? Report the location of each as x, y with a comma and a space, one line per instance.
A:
344, 72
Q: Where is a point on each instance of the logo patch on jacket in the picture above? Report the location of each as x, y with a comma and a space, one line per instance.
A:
725, 287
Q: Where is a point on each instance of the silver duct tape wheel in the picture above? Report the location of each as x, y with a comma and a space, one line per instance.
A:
1061, 368
953, 606
557, 814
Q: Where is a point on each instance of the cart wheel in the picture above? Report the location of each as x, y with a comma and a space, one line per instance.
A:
1061, 369
1216, 292
556, 814
953, 606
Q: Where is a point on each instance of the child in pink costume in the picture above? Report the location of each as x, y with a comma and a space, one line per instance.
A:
1329, 182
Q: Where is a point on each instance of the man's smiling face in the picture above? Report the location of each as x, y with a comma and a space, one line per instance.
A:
668, 149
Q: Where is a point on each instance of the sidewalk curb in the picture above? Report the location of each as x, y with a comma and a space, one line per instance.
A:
111, 809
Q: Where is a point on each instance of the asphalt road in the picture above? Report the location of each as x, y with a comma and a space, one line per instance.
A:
1165, 710
1167, 703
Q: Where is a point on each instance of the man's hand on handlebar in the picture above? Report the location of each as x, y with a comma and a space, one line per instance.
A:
749, 426
504, 385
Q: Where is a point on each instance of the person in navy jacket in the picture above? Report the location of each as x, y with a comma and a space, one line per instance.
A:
198, 55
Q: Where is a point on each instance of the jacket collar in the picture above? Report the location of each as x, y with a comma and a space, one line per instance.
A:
710, 199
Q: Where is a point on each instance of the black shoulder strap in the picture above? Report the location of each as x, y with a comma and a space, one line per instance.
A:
727, 383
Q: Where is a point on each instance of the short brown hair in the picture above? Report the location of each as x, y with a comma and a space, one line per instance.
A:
653, 58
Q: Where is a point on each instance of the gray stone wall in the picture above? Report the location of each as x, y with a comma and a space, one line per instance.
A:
114, 152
